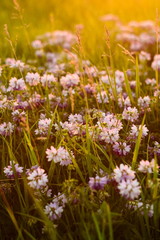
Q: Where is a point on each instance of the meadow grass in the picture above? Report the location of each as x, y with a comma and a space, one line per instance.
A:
79, 120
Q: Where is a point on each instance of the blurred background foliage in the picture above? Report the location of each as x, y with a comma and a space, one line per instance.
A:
34, 17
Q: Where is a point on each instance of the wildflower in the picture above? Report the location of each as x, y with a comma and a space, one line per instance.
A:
130, 114
37, 178
147, 167
75, 118
16, 84
6, 129
13, 63
97, 183
13, 170
53, 210
136, 129
60, 155
156, 62
109, 136
121, 148
33, 79
70, 80
144, 56
144, 102
43, 126
124, 102
123, 172
47, 80
130, 189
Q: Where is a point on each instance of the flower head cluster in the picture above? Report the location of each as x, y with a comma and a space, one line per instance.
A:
130, 114
135, 130
13, 63
47, 80
37, 178
55, 208
13, 170
16, 84
128, 186
97, 183
43, 126
121, 148
70, 80
148, 167
33, 79
144, 102
60, 155
6, 129
156, 62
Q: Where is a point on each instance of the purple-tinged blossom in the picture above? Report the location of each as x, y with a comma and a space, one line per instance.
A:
130, 114
13, 170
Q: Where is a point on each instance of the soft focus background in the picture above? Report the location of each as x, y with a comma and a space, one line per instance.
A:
27, 18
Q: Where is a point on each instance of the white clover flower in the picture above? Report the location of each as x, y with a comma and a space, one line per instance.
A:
70, 80
109, 136
156, 62
130, 189
43, 126
75, 118
53, 211
123, 172
97, 183
47, 80
136, 129
13, 63
12, 170
6, 129
33, 79
130, 114
145, 167
37, 178
60, 155
16, 84
144, 102
121, 148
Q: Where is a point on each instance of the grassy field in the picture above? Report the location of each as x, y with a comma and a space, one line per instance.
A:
79, 120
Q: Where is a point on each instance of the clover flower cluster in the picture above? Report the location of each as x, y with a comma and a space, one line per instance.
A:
135, 130
121, 148
73, 125
16, 84
128, 185
44, 125
97, 183
148, 167
130, 114
109, 127
13, 170
70, 80
55, 208
60, 155
6, 129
